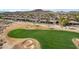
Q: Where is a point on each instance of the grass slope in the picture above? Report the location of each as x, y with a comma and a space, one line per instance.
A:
49, 39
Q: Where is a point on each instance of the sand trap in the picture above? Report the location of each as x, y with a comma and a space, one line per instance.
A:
76, 42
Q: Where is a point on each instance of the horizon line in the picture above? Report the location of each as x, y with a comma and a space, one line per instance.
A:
13, 10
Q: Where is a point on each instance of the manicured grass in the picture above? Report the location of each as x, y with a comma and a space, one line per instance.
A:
49, 39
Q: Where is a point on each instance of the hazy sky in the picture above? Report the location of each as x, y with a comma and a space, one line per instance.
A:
43, 9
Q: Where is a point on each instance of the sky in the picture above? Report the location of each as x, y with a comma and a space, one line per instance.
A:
26, 5
12, 10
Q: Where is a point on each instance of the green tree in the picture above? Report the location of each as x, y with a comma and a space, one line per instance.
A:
1, 17
77, 18
63, 21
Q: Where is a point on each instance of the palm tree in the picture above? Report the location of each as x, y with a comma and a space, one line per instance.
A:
63, 21
77, 17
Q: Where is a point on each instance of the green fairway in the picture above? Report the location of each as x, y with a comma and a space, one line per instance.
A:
49, 39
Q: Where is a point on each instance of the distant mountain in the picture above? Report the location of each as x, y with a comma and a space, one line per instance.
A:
40, 10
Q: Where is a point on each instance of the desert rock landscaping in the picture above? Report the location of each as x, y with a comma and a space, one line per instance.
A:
18, 43
18, 36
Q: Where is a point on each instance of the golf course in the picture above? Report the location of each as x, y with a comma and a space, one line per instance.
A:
49, 39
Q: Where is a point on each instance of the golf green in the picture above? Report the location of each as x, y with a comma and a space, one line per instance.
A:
49, 39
